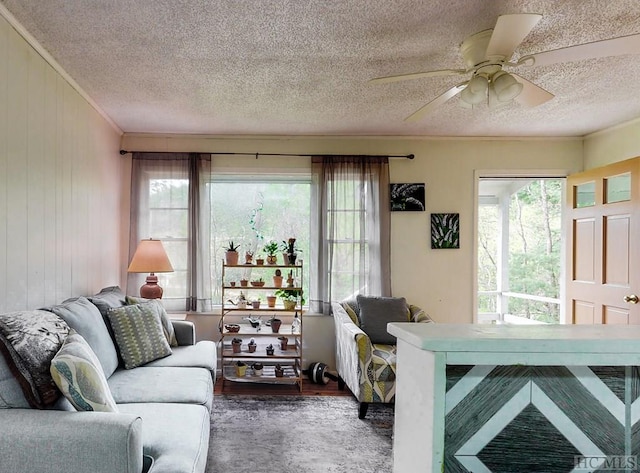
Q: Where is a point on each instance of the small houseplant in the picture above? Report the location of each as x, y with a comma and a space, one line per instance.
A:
290, 252
270, 249
290, 297
277, 278
231, 254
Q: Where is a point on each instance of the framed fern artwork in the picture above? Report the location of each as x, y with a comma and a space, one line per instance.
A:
445, 231
407, 197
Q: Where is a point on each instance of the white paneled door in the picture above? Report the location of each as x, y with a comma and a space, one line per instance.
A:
603, 251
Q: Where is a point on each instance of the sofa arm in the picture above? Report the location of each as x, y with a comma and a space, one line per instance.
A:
350, 339
40, 441
185, 332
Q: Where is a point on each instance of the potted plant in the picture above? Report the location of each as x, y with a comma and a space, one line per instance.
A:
270, 349
270, 249
252, 345
257, 282
271, 301
259, 260
279, 371
255, 303
236, 345
257, 368
290, 250
244, 282
248, 257
277, 279
275, 324
231, 254
241, 368
290, 297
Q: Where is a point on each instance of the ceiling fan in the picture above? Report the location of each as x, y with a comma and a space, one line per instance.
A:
487, 53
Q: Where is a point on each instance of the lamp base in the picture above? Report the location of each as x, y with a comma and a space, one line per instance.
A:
151, 290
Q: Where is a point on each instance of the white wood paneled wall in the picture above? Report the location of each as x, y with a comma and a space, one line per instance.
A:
60, 185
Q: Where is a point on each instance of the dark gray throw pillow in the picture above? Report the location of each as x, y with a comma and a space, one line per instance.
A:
377, 312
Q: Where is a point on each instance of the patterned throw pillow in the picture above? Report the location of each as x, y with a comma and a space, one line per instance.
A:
169, 332
78, 374
139, 334
29, 340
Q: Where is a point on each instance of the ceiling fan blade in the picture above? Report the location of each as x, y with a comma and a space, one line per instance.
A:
509, 32
531, 95
417, 75
439, 100
605, 48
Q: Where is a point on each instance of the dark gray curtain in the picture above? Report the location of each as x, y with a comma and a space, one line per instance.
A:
350, 200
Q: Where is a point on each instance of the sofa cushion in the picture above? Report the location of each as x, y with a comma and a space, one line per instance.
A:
201, 355
108, 298
139, 334
377, 312
78, 374
169, 332
85, 318
383, 362
28, 341
175, 435
145, 384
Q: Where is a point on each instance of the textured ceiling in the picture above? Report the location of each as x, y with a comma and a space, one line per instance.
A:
298, 67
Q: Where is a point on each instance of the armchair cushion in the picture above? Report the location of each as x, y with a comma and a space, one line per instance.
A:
377, 312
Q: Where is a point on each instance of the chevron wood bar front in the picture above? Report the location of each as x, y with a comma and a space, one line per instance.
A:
490, 399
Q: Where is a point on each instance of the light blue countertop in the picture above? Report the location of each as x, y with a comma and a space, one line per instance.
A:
594, 339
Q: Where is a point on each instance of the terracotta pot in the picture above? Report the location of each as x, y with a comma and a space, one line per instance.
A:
271, 301
277, 281
275, 325
244, 282
231, 258
260, 261
236, 346
284, 342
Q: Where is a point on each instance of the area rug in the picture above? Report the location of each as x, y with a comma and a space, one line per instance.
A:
298, 434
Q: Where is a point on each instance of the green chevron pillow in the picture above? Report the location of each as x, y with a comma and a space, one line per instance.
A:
78, 374
139, 334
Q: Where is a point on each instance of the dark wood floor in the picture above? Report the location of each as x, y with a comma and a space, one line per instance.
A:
308, 389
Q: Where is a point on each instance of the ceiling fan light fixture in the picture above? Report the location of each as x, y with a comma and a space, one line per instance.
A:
505, 86
476, 90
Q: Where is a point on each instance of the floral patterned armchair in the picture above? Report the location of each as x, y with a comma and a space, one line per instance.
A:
368, 369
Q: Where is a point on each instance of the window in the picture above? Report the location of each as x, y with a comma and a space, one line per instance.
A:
349, 243
254, 210
331, 205
519, 250
168, 221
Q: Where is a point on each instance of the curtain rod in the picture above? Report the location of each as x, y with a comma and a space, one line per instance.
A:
406, 156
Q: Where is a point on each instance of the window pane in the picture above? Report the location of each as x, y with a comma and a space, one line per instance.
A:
253, 212
168, 223
618, 188
348, 224
168, 193
585, 195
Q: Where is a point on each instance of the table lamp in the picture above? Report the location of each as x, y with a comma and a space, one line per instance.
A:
150, 257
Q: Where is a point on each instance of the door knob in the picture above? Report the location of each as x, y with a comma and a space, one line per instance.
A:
633, 299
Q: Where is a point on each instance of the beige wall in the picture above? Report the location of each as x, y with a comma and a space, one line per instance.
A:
60, 184
612, 145
440, 281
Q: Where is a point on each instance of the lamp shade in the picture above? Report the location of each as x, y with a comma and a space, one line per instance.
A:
476, 90
150, 257
506, 86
